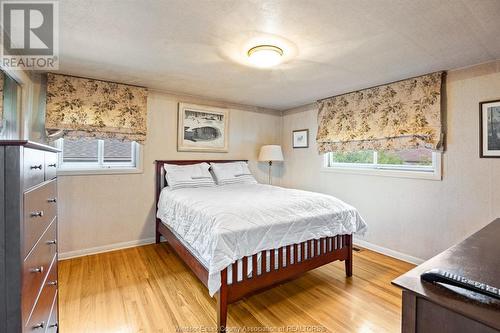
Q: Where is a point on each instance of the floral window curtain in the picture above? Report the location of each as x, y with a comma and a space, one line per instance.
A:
396, 116
78, 107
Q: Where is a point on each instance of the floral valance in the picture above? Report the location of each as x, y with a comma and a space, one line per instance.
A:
78, 107
400, 115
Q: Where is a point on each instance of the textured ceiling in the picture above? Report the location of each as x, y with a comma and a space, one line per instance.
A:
197, 47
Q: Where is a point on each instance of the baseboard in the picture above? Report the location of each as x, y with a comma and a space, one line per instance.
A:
105, 248
388, 252
124, 245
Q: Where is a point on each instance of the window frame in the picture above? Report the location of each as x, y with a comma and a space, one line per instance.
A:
100, 167
388, 170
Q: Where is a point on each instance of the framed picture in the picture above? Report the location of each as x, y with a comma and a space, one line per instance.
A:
202, 128
300, 138
489, 115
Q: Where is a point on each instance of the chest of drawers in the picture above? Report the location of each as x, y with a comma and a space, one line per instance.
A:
28, 237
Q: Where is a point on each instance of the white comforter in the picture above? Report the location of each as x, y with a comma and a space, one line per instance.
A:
225, 223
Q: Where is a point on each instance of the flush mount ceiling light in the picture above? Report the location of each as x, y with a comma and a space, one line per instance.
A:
265, 55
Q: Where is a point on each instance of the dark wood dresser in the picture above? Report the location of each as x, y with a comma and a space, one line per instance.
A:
28, 237
429, 308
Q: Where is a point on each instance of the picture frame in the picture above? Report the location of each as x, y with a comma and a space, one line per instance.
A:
300, 138
202, 128
489, 129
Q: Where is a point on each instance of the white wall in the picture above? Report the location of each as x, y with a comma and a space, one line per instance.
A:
102, 211
415, 217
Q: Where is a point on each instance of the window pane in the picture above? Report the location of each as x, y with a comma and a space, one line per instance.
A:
83, 150
354, 157
116, 151
418, 157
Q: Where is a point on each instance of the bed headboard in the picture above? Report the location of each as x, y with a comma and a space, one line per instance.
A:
160, 171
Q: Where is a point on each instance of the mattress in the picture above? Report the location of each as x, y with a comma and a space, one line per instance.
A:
222, 224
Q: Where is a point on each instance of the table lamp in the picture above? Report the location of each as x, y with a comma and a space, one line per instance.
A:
270, 153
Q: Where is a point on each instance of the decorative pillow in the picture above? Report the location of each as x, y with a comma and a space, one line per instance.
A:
232, 173
184, 176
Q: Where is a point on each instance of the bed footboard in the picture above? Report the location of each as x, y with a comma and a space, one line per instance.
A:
284, 264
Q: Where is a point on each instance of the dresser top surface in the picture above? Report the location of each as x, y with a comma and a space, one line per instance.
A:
29, 144
476, 258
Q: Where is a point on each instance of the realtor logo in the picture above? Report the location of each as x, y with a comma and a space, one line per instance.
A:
30, 35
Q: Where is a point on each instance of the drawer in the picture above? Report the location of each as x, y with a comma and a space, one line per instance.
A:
33, 167
53, 323
50, 165
40, 317
40, 208
36, 266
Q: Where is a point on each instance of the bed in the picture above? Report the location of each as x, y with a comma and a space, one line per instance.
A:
239, 239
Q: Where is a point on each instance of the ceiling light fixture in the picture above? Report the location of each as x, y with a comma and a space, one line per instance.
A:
265, 55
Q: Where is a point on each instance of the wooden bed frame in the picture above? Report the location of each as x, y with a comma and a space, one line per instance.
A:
319, 252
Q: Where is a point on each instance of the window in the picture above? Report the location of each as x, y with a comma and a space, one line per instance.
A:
98, 156
412, 163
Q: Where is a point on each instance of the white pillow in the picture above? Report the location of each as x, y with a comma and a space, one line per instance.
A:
184, 176
232, 173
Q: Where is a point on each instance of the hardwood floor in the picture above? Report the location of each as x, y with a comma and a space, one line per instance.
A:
149, 289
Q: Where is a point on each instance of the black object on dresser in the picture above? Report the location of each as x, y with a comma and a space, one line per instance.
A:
28, 237
432, 304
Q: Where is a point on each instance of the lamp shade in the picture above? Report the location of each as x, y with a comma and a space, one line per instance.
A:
270, 153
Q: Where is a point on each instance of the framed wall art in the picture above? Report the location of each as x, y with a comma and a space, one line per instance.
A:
300, 138
202, 128
489, 115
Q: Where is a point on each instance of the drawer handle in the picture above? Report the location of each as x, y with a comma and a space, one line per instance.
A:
51, 242
53, 165
52, 200
37, 326
39, 166
37, 270
52, 283
53, 325
38, 213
